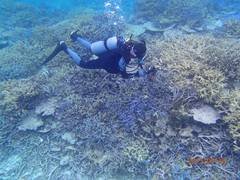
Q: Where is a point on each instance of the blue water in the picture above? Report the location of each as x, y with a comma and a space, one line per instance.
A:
96, 5
88, 124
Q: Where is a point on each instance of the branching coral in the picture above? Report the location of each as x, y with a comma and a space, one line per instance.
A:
229, 103
207, 82
187, 68
223, 54
20, 14
220, 54
98, 107
97, 157
148, 10
18, 95
136, 151
24, 57
201, 64
188, 12
17, 61
232, 28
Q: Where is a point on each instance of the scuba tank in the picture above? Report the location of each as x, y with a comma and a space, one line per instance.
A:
112, 43
101, 47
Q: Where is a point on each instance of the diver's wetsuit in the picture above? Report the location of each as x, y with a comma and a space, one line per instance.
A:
113, 61
109, 62
114, 54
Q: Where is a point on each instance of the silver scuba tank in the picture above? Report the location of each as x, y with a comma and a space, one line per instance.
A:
101, 47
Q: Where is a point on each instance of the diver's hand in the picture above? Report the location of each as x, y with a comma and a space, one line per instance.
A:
151, 70
151, 73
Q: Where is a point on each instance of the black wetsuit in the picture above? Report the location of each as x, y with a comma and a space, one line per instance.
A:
113, 61
110, 61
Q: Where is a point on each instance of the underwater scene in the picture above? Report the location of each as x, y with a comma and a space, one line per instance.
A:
119, 89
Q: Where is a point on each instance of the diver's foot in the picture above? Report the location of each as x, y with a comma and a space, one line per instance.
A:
74, 35
61, 46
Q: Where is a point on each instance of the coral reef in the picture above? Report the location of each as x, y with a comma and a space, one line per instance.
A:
64, 122
186, 11
47, 108
18, 96
19, 14
148, 10
192, 16
136, 151
191, 12
23, 57
19, 19
200, 71
69, 137
205, 114
229, 103
222, 54
231, 28
31, 123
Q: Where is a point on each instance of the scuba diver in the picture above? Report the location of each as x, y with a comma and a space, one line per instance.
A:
114, 55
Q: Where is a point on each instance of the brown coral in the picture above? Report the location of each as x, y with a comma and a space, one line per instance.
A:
201, 64
18, 95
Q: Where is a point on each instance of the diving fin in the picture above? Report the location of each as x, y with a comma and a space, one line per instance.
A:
61, 46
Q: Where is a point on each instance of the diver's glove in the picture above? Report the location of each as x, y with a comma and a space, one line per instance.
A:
151, 73
151, 70
74, 35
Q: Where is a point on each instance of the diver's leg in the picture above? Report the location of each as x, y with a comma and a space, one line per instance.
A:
75, 37
106, 63
91, 46
61, 46
99, 47
93, 64
74, 56
84, 42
